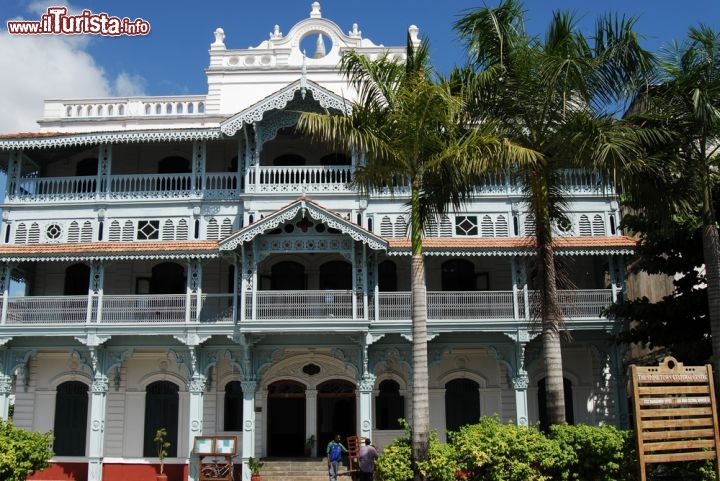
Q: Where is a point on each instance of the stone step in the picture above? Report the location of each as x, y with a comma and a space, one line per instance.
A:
299, 469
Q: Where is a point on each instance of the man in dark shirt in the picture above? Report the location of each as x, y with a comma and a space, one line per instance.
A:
366, 458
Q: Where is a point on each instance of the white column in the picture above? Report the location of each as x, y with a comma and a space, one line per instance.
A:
104, 172
521, 380
96, 447
365, 390
311, 417
5, 391
5, 286
520, 384
195, 415
248, 435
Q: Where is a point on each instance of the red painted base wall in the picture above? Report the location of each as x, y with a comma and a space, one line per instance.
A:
111, 472
63, 471
143, 472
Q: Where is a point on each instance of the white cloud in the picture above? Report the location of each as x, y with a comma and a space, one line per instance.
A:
40, 67
129, 85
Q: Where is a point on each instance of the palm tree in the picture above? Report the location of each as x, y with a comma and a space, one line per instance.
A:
685, 99
553, 97
414, 133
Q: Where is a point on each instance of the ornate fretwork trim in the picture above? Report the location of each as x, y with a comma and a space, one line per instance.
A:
477, 252
280, 99
94, 138
310, 209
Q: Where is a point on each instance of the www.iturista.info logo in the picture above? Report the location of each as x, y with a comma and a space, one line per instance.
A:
57, 21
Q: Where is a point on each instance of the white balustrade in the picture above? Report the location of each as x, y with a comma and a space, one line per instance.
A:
263, 179
285, 305
151, 309
47, 310
155, 184
299, 179
296, 305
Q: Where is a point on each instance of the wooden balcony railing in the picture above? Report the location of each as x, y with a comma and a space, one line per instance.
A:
287, 306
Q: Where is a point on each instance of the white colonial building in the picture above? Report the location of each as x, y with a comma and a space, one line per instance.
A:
191, 262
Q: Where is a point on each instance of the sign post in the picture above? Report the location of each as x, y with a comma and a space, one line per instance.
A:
675, 414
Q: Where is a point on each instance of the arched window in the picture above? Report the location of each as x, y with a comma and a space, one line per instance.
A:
387, 276
389, 405
167, 278
336, 158
336, 275
458, 275
462, 403
542, 403
71, 409
288, 276
161, 411
287, 160
86, 168
77, 280
233, 406
174, 165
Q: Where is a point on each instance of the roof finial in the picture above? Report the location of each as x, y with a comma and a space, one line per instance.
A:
276, 33
303, 77
320, 47
315, 13
414, 38
219, 42
355, 32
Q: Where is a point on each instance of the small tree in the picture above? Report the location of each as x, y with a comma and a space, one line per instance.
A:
22, 452
162, 446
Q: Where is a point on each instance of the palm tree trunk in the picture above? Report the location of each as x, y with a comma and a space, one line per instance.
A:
550, 311
552, 352
420, 399
711, 256
420, 395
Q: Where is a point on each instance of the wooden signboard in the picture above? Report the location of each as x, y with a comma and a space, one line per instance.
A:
675, 414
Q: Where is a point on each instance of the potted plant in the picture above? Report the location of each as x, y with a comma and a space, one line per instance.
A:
255, 465
162, 447
309, 445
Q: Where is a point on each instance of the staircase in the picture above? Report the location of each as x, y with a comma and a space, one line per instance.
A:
299, 469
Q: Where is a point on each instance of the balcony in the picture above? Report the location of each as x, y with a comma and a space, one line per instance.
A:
282, 310
228, 185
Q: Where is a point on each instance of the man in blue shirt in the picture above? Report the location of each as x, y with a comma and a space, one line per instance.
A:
334, 451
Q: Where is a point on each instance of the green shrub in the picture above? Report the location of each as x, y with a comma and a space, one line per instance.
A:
492, 451
22, 452
394, 462
598, 453
442, 463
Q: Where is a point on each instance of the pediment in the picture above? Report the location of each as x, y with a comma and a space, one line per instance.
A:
309, 212
279, 100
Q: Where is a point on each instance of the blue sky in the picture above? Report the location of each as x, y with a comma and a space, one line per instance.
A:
171, 59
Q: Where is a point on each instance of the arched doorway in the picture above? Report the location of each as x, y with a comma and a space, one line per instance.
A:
335, 412
162, 404
286, 419
71, 407
462, 403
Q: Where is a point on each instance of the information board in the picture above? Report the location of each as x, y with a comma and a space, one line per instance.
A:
675, 414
